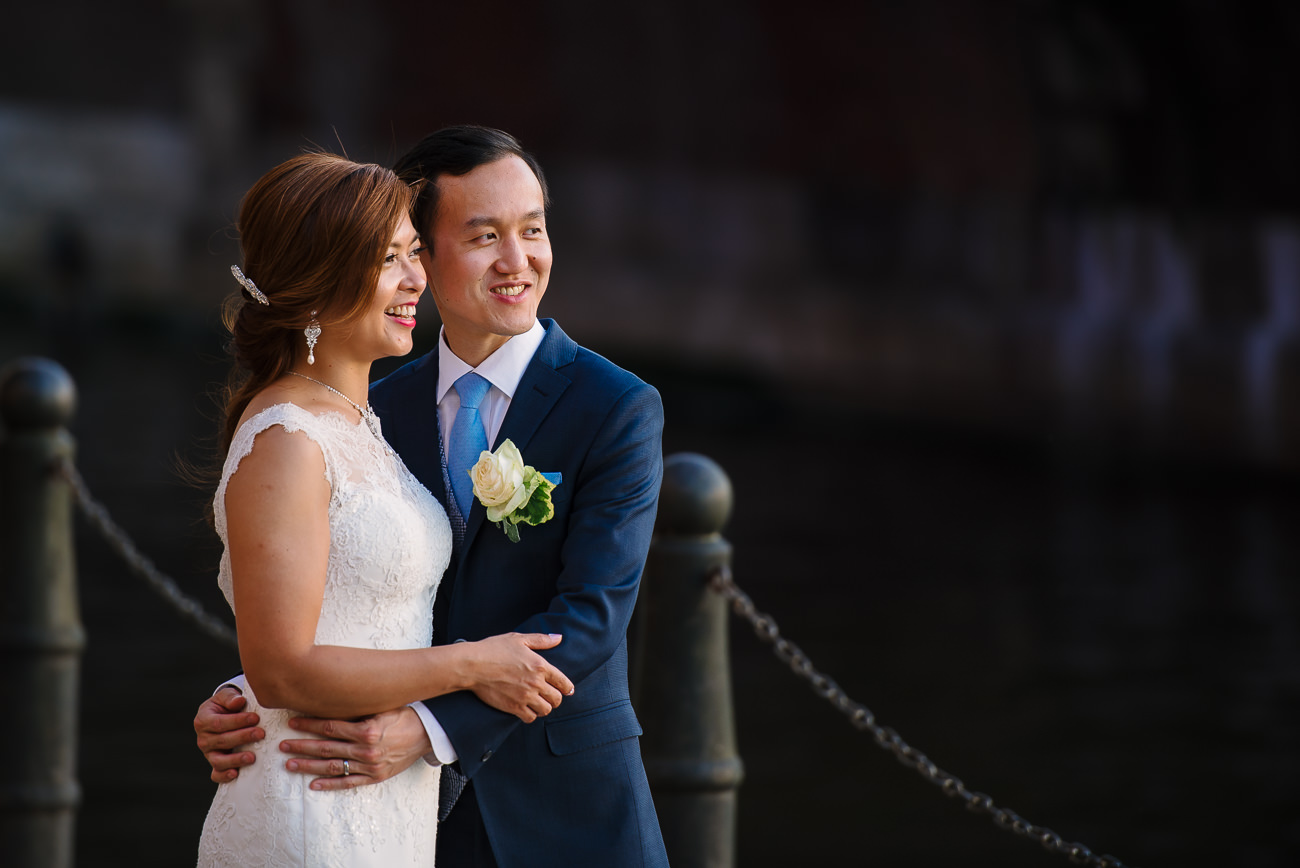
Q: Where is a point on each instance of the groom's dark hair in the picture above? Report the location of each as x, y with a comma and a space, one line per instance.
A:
457, 151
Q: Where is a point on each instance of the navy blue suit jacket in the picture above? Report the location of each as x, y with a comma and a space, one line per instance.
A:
569, 789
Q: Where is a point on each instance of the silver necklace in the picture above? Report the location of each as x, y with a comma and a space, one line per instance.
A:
367, 415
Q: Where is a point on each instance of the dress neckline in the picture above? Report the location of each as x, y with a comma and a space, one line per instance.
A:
343, 417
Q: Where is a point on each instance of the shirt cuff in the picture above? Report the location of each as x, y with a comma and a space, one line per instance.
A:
443, 753
239, 682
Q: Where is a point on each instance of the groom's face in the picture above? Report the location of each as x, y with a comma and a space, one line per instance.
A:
490, 256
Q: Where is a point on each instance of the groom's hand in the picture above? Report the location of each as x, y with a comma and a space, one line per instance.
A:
376, 748
223, 727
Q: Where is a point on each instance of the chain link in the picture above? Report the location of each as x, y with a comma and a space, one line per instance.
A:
117, 539
861, 717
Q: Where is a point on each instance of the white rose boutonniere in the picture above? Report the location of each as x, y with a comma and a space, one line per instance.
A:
513, 492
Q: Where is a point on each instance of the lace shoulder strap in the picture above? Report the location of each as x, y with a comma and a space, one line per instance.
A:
293, 419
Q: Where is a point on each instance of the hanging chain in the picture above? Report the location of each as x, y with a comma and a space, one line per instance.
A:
722, 582
861, 717
117, 539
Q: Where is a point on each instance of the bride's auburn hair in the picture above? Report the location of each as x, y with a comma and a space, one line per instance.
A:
313, 232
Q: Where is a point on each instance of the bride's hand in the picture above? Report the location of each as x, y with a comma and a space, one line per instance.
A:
511, 676
223, 727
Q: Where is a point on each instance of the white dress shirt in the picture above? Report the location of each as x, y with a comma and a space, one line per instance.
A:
503, 369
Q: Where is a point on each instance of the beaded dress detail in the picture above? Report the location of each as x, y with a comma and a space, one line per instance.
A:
390, 542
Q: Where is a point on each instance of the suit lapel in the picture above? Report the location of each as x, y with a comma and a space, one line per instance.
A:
539, 390
413, 420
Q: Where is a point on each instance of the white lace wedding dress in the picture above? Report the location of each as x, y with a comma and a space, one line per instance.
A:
389, 544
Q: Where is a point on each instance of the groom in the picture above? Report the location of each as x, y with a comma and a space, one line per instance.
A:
570, 788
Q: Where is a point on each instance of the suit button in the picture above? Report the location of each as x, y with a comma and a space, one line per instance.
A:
487, 756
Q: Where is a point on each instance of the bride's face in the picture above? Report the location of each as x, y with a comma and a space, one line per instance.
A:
385, 328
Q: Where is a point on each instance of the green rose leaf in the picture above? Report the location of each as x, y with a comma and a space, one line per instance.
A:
539, 508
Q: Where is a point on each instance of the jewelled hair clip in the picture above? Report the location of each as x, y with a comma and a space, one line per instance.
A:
248, 285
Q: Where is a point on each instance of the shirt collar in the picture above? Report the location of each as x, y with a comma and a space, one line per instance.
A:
503, 369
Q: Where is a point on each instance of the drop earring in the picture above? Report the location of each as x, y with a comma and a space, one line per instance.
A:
312, 332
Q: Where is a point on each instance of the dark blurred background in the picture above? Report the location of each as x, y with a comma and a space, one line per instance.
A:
990, 310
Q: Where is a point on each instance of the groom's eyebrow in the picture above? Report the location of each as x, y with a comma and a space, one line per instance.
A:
476, 222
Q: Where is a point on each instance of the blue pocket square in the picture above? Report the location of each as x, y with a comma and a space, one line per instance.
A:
553, 478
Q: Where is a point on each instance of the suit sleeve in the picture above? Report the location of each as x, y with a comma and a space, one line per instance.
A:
611, 521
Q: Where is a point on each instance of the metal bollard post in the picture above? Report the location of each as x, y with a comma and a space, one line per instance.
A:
41, 637
684, 683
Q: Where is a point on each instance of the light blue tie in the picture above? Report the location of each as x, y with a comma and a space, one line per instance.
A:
468, 439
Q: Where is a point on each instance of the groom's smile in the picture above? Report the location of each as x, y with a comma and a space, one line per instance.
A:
490, 259
509, 290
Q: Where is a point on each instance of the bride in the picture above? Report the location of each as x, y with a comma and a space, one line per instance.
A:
333, 551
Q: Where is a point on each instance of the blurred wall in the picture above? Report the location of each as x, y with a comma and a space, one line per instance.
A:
1047, 217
